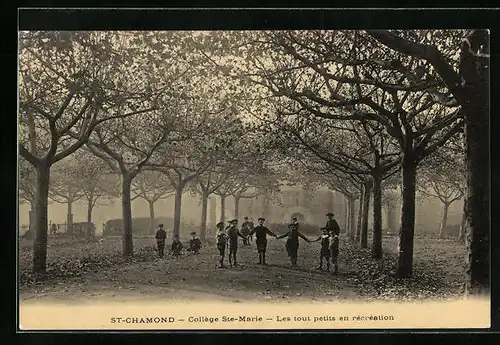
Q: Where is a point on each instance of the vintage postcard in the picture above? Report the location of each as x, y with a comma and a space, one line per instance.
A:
253, 180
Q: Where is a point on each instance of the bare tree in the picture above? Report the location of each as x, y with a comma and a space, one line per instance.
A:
68, 83
151, 186
470, 87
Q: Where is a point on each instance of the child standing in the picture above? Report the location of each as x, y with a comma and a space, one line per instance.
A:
292, 242
221, 238
176, 247
325, 249
233, 233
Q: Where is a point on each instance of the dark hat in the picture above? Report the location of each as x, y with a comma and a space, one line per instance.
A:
245, 218
219, 224
193, 233
329, 214
261, 218
233, 221
160, 225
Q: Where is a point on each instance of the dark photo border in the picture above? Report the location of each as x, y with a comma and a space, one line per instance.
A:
234, 19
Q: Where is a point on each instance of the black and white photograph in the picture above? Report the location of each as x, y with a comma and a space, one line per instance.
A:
264, 179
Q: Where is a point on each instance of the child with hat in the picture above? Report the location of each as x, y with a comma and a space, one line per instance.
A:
333, 229
233, 233
221, 238
261, 233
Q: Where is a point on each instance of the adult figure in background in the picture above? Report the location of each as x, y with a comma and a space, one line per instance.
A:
261, 233
53, 229
292, 241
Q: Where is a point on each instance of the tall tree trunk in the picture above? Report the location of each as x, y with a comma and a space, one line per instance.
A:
352, 205
463, 223
152, 217
177, 208
366, 207
32, 219
444, 220
377, 217
407, 230
223, 209
347, 225
236, 206
203, 224
39, 263
90, 207
69, 218
478, 200
391, 218
213, 211
128, 244
475, 72
360, 216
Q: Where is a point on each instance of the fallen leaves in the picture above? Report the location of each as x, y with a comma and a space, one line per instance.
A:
71, 266
437, 271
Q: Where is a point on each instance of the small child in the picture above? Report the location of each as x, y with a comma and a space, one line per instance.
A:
334, 250
222, 239
194, 244
176, 247
161, 235
325, 249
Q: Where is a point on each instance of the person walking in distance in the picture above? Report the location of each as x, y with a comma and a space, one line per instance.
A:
233, 233
334, 231
261, 233
222, 239
292, 242
161, 236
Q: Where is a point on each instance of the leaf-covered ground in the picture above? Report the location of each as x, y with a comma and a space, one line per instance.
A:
87, 270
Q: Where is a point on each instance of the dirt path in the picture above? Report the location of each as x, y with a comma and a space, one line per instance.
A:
198, 278
437, 274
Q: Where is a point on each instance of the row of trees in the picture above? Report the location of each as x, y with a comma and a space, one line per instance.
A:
211, 111
138, 106
362, 106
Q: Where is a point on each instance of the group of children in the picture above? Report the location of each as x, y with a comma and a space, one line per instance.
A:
177, 246
227, 238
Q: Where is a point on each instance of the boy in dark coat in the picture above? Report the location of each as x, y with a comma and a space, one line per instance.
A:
261, 233
194, 244
325, 249
292, 242
334, 231
161, 236
176, 247
233, 233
